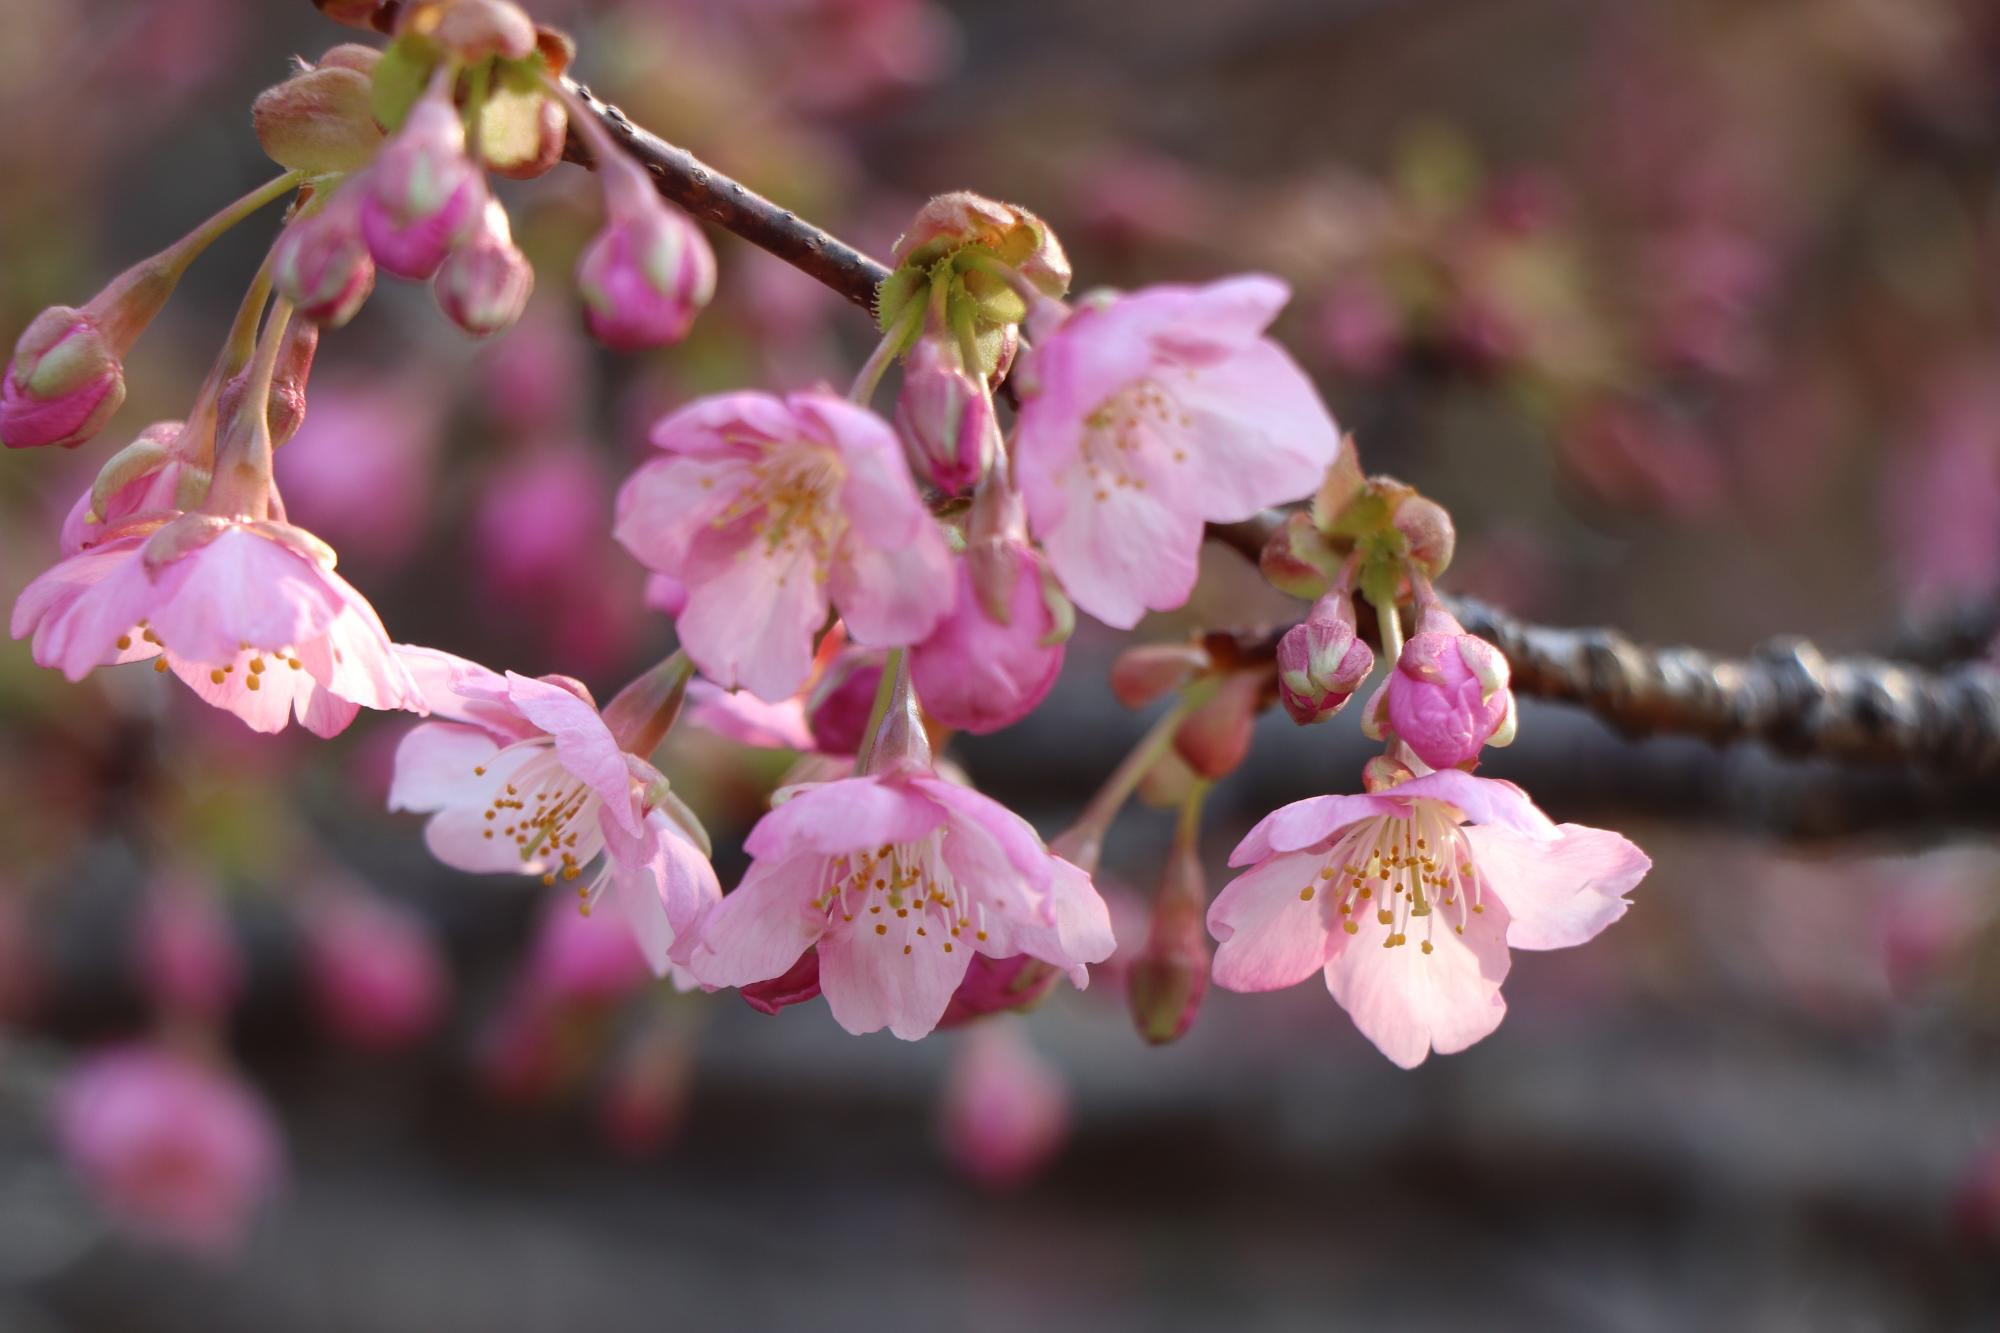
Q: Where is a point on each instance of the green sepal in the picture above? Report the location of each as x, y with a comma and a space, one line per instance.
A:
400, 79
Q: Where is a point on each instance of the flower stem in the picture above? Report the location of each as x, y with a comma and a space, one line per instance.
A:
241, 486
1084, 841
995, 267
892, 345
895, 682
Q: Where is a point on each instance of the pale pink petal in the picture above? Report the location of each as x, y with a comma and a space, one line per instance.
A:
890, 597
86, 604
902, 982
440, 679
1023, 847
741, 716
750, 621
1259, 434
434, 767
360, 664
759, 930
242, 588
268, 708
877, 495
322, 712
1410, 1003
1269, 932
636, 884
1483, 801
1082, 930
687, 880
463, 838
1203, 323
583, 743
1558, 893
669, 502
1301, 824
726, 425
1119, 551
842, 816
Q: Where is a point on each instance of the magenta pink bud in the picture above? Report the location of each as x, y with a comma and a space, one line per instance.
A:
1448, 695
286, 410
483, 285
378, 981
842, 700
978, 673
188, 957
649, 272
322, 266
584, 960
65, 382
1168, 979
945, 419
1215, 739
1005, 1114
1322, 661
176, 1152
999, 985
424, 194
1143, 673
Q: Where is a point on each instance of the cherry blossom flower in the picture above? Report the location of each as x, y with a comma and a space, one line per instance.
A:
177, 1152
1144, 416
1005, 1113
898, 880
766, 507
1467, 864
378, 980
527, 777
248, 612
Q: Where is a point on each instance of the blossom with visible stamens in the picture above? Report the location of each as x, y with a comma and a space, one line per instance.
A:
1408, 899
1145, 416
767, 508
248, 612
527, 777
899, 880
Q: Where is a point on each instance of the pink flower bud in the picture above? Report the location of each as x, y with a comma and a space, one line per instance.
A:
377, 979
961, 219
424, 195
1216, 737
1006, 1110
178, 1153
319, 121
1448, 695
1142, 674
286, 410
842, 700
978, 673
796, 985
483, 285
999, 985
1322, 662
65, 382
945, 419
1168, 979
188, 959
474, 30
1429, 529
322, 266
649, 272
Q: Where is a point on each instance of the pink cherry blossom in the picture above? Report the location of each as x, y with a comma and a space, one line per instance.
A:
898, 880
1143, 417
741, 716
377, 978
527, 777
177, 1152
1339, 883
979, 673
1006, 1109
248, 612
767, 507
187, 956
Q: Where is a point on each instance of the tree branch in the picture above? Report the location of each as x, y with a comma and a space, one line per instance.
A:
1788, 695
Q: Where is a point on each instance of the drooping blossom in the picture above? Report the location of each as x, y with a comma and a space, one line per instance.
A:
1005, 1113
160, 484
527, 777
1466, 865
1143, 417
766, 508
177, 1152
248, 612
898, 880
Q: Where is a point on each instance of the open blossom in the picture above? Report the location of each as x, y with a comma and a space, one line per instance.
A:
248, 612
1143, 417
1466, 865
898, 880
766, 507
528, 778
174, 1151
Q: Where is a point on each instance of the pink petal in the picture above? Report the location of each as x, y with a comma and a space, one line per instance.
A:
759, 930
841, 816
1297, 826
870, 982
726, 425
434, 767
1123, 554
242, 588
1259, 435
1082, 930
1483, 801
1559, 893
750, 621
1267, 936
584, 745
890, 597
1409, 1003
1023, 846
440, 679
741, 716
669, 502
878, 495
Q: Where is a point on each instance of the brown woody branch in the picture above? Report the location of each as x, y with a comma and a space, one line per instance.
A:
1788, 695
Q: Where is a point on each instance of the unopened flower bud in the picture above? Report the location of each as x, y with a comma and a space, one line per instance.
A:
1215, 739
945, 418
978, 672
999, 985
483, 285
838, 711
1448, 695
961, 220
377, 978
649, 272
319, 121
475, 30
144, 477
1429, 529
796, 985
286, 410
424, 194
1168, 979
322, 266
65, 382
1322, 661
360, 58
1384, 773
1142, 674
1298, 559
1006, 1110
521, 133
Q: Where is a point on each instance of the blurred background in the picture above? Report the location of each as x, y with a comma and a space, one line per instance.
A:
1687, 309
